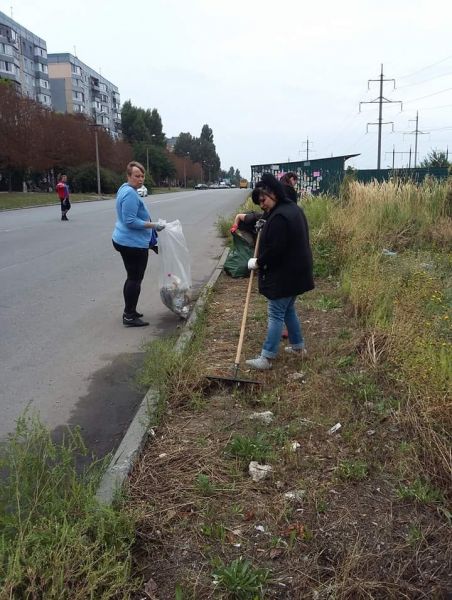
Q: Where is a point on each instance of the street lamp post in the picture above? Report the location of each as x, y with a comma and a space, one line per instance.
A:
97, 161
185, 169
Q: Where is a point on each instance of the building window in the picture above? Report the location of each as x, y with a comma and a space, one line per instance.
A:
44, 99
43, 83
6, 49
42, 68
40, 52
76, 69
7, 67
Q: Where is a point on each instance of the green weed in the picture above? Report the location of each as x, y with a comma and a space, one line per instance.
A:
240, 579
250, 448
354, 470
344, 334
214, 531
345, 361
325, 302
414, 535
204, 485
421, 491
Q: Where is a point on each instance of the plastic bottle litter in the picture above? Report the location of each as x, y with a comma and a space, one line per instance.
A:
175, 296
334, 428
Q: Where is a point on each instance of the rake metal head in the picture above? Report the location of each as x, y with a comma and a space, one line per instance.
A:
233, 379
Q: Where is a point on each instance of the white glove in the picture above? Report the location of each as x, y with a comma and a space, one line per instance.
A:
252, 264
161, 224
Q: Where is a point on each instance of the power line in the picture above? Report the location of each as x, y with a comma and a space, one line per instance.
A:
429, 95
380, 101
401, 87
425, 68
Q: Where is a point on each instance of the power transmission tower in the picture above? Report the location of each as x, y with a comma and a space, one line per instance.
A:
416, 133
380, 101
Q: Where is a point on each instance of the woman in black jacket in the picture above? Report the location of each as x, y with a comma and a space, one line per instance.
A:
289, 183
285, 267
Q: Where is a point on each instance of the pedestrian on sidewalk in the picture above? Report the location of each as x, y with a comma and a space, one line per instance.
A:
284, 264
133, 235
62, 189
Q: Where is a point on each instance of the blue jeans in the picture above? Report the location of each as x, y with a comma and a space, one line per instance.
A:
280, 311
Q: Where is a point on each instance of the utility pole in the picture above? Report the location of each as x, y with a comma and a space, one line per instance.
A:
393, 155
416, 133
380, 100
307, 148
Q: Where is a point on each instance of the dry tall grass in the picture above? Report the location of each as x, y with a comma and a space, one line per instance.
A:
390, 244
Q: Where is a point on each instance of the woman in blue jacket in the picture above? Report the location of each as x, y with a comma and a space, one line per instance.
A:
285, 267
133, 234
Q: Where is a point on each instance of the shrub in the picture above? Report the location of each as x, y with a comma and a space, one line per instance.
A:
83, 179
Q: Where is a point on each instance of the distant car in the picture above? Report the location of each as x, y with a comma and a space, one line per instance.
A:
142, 191
201, 186
223, 184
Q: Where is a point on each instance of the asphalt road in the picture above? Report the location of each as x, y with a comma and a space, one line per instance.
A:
64, 352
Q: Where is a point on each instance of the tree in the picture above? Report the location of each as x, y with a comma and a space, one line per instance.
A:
206, 134
201, 150
186, 144
35, 141
435, 158
139, 125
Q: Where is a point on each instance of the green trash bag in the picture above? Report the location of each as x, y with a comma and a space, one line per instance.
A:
236, 264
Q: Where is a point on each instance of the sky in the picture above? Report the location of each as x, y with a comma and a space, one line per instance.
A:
269, 76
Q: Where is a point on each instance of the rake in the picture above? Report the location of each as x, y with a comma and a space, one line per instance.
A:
234, 378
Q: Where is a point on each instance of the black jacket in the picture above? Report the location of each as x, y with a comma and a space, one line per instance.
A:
285, 257
290, 192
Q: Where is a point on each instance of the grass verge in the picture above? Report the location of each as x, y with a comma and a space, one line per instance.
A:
358, 513
56, 541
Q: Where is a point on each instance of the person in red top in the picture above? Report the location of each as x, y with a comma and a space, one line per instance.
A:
62, 189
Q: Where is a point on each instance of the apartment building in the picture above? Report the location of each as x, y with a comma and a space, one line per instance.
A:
23, 60
78, 89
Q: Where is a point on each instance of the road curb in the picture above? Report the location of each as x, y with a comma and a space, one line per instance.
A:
138, 431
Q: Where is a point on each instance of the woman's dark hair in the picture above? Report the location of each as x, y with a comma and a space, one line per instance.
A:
285, 179
268, 183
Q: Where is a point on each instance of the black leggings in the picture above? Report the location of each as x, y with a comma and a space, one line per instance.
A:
135, 261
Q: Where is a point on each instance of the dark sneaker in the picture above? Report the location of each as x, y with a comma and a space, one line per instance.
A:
133, 321
134, 314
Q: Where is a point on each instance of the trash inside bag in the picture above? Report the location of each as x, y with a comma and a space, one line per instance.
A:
175, 272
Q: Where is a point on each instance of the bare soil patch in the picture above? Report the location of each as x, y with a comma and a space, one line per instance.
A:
353, 528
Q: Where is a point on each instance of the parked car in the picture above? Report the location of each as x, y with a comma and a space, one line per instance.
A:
142, 191
201, 186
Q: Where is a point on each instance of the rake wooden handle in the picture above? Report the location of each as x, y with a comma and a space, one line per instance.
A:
245, 310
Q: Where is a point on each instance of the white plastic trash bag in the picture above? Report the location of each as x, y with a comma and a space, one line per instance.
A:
175, 273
